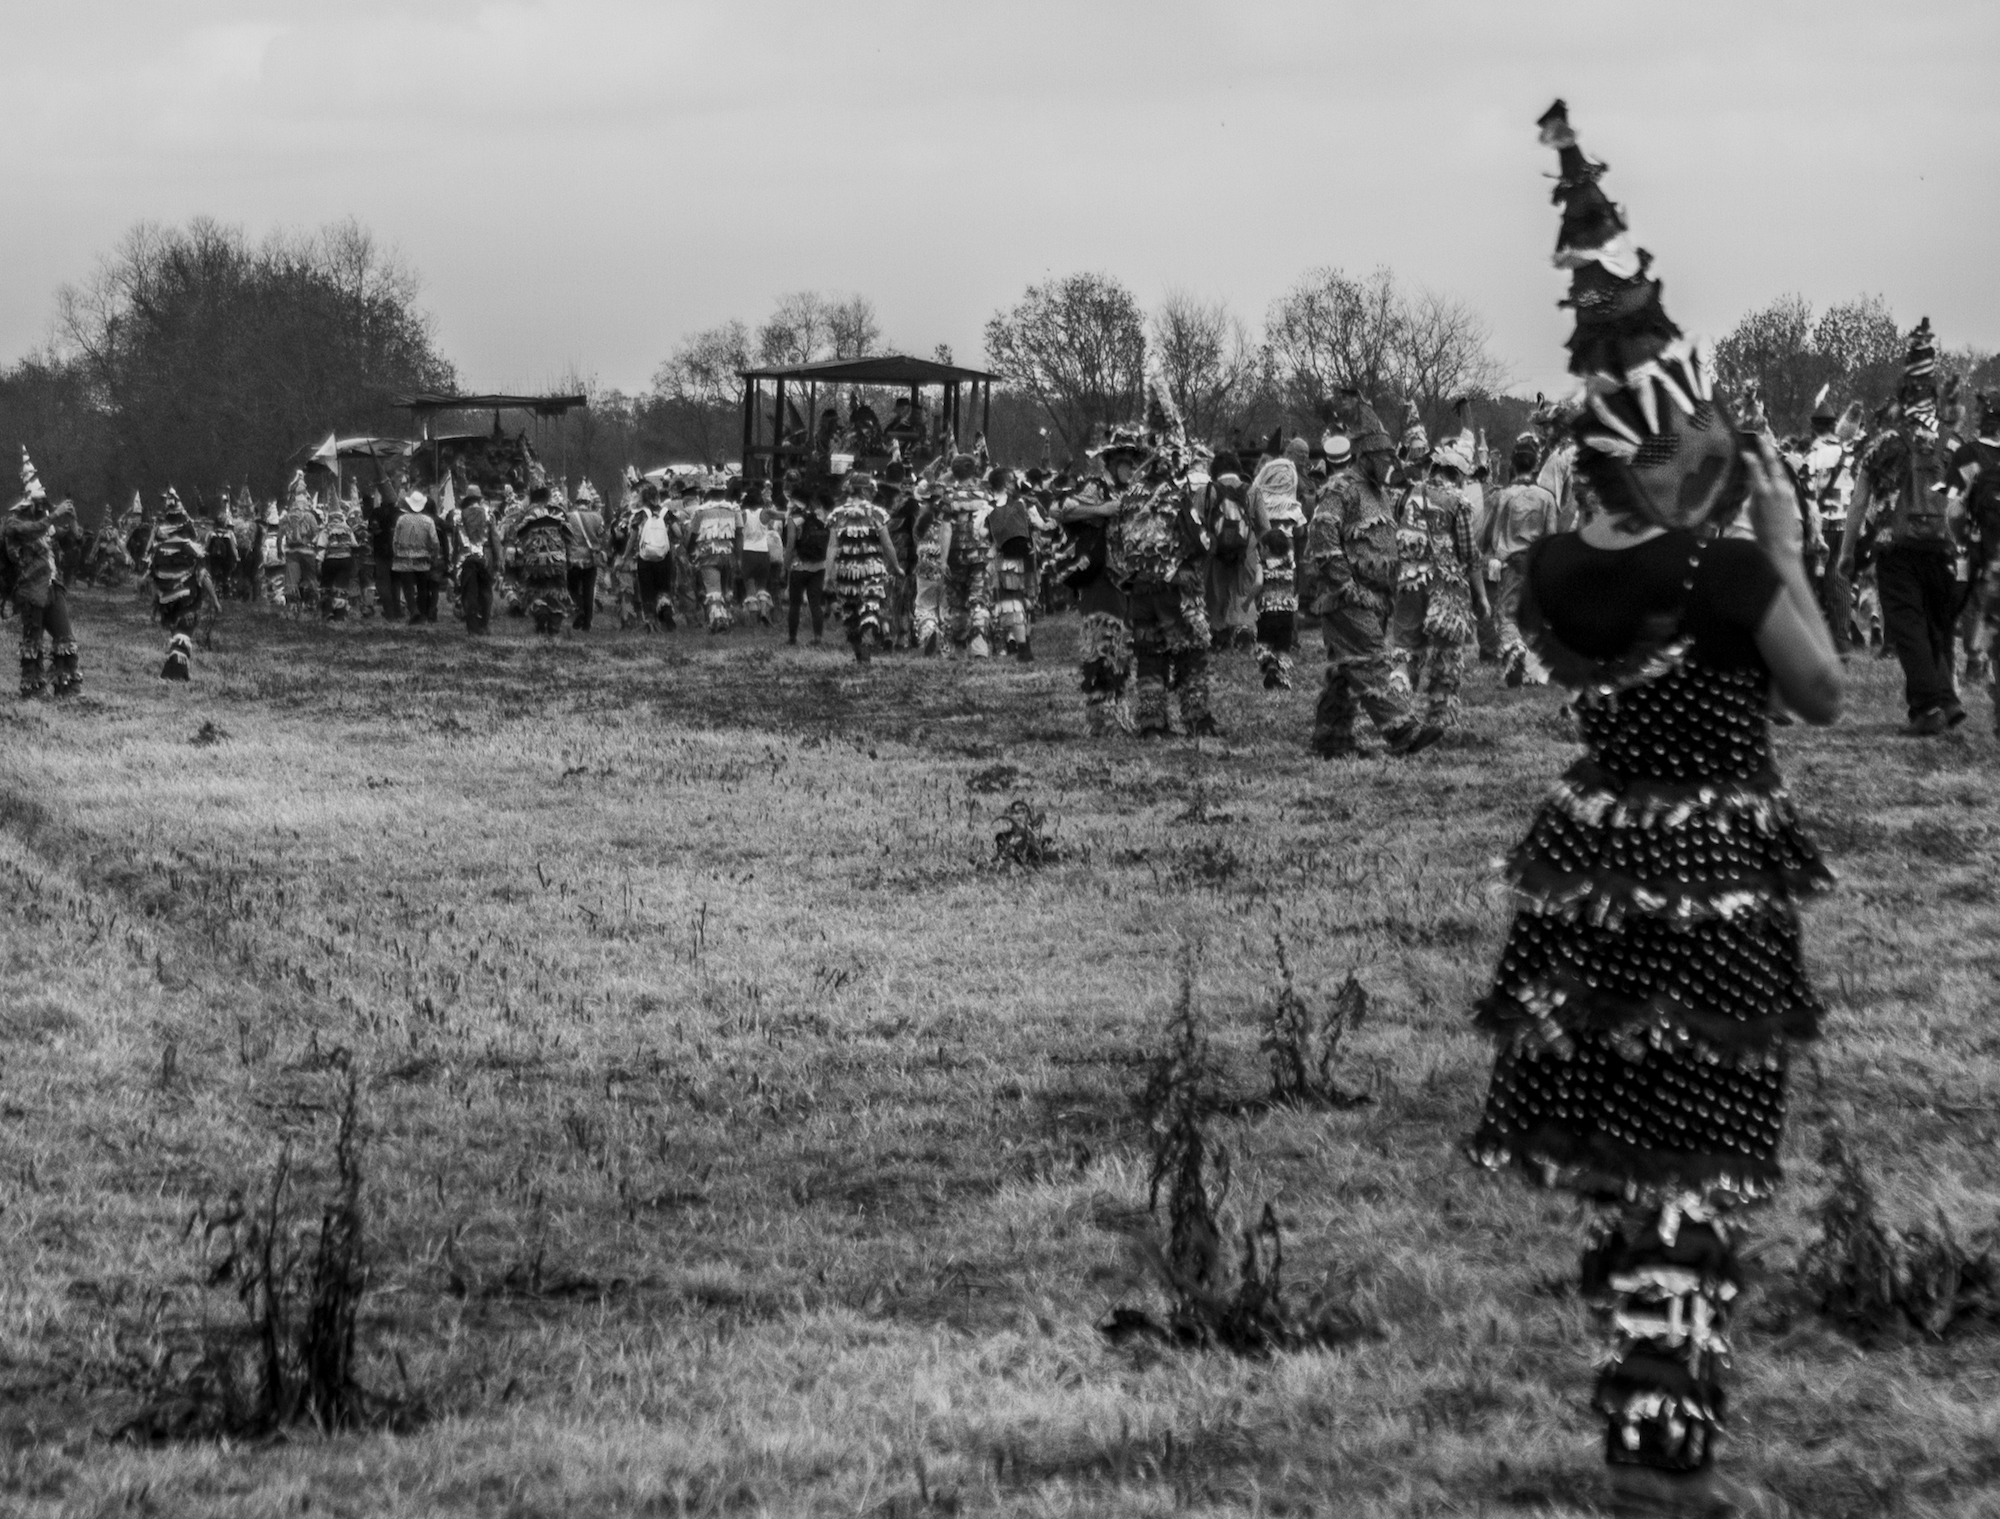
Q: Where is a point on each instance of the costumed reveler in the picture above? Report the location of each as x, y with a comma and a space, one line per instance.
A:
1978, 466
967, 611
1902, 507
1012, 527
861, 560
40, 594
340, 541
1159, 550
1522, 515
542, 538
1351, 544
177, 568
1083, 564
1828, 477
715, 544
1274, 503
1440, 595
1652, 981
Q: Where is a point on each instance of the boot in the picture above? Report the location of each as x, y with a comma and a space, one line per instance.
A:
32, 684
1027, 655
1413, 737
978, 648
180, 656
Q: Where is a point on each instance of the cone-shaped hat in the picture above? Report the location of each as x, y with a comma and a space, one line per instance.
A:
1653, 437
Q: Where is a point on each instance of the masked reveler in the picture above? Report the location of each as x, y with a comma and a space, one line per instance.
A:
177, 567
860, 564
1652, 982
1441, 596
1083, 564
41, 596
967, 610
1159, 548
542, 540
1351, 544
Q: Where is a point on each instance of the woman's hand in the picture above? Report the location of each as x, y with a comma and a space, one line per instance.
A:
1774, 506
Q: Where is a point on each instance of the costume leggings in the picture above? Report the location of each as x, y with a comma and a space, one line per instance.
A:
714, 596
51, 618
1665, 1279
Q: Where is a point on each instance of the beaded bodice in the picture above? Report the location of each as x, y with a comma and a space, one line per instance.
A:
1692, 723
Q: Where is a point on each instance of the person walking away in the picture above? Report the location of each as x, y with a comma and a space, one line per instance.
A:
652, 549
477, 535
300, 529
176, 569
269, 555
807, 542
1977, 464
1523, 514
414, 547
1159, 546
967, 603
586, 553
1829, 479
760, 549
1440, 595
39, 591
220, 547
715, 530
1275, 501
1084, 567
1235, 564
1900, 500
339, 546
861, 560
1351, 542
542, 541
1652, 983
1012, 527
383, 513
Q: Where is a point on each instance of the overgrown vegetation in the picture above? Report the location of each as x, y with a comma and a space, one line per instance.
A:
1303, 1044
1881, 1283
739, 1141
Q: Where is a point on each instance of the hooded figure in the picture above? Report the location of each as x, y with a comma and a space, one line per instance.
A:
177, 567
35, 581
1901, 514
1651, 982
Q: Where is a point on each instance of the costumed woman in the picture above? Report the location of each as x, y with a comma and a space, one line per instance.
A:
1652, 982
40, 595
177, 568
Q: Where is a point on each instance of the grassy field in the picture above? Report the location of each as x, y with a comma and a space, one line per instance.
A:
739, 1139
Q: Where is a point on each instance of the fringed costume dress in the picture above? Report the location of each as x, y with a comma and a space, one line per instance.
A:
1652, 982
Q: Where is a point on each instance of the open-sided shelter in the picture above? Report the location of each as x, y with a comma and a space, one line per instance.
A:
770, 447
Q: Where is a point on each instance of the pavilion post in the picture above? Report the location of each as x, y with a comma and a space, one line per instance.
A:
751, 389
986, 415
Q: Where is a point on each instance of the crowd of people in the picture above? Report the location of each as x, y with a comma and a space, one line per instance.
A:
1407, 554
1687, 577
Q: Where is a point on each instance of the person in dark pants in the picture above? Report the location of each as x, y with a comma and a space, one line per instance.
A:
586, 544
479, 550
806, 541
1899, 499
382, 515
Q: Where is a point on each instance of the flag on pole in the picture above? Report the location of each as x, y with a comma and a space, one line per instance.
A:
328, 453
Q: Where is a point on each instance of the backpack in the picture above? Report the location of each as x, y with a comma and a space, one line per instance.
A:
811, 543
656, 540
1232, 534
1919, 516
544, 555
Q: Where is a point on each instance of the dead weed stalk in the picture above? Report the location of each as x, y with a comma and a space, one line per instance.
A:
1882, 1284
1248, 1316
1303, 1044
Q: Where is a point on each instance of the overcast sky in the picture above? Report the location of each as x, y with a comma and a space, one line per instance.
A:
579, 183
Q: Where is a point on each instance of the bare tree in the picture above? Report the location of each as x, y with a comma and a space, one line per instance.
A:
701, 386
1205, 360
1077, 345
1442, 354
853, 331
798, 331
1332, 332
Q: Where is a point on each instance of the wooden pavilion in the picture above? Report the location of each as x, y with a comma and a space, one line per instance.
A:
768, 452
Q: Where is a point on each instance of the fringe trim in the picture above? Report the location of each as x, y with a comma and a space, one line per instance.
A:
1608, 1170
1547, 1016
1608, 899
1593, 796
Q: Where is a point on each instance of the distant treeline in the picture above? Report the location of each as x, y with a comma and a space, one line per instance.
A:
195, 358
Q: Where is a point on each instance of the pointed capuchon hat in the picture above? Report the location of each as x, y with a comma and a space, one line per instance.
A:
1917, 390
171, 503
1416, 442
1651, 428
1823, 408
1365, 427
31, 483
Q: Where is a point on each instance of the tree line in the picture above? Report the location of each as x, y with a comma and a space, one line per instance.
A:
196, 357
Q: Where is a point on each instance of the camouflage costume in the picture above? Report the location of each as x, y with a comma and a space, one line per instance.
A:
40, 595
1157, 548
932, 533
968, 569
1104, 644
1433, 611
1352, 546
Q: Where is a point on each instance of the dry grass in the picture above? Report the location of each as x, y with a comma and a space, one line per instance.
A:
743, 1139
